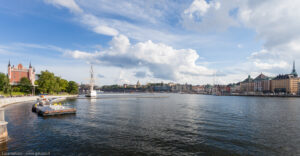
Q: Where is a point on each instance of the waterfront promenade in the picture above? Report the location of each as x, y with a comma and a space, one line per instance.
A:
13, 100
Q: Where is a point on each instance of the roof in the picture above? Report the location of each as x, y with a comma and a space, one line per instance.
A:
261, 77
248, 79
286, 76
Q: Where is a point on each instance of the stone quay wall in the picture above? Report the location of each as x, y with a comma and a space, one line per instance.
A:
13, 100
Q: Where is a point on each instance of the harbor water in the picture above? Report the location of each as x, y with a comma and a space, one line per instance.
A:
160, 124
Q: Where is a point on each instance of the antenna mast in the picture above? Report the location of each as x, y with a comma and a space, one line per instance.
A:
92, 81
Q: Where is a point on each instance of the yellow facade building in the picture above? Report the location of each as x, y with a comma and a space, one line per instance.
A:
286, 83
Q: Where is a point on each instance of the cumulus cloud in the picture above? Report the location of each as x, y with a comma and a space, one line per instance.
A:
276, 24
161, 60
200, 7
274, 21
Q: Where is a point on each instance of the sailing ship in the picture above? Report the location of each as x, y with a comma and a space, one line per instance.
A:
91, 92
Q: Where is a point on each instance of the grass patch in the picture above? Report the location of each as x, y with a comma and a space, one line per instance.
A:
12, 93
23, 94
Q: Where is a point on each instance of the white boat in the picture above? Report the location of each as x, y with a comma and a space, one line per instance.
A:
92, 92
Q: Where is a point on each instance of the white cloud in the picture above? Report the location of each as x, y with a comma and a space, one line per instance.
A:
205, 16
162, 61
277, 24
267, 66
90, 20
70, 4
199, 8
79, 54
105, 30
137, 10
97, 25
120, 44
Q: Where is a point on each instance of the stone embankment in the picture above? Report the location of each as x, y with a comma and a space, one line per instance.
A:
13, 100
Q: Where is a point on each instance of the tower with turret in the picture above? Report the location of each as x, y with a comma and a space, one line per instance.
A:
9, 70
31, 74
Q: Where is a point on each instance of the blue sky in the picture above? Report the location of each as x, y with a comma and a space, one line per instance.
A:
151, 41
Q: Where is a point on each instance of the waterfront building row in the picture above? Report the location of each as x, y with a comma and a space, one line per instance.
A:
262, 84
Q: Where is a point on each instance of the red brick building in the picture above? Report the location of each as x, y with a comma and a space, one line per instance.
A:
15, 74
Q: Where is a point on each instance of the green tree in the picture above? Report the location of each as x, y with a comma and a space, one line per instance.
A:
72, 87
25, 85
46, 82
15, 88
4, 84
63, 84
2, 81
56, 85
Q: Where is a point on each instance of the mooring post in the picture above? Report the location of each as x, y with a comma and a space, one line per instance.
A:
3, 127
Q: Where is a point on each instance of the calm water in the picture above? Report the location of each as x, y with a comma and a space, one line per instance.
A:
171, 124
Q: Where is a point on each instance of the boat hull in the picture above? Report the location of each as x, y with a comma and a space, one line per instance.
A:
91, 94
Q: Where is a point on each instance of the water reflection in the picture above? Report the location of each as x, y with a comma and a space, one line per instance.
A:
3, 147
65, 116
177, 124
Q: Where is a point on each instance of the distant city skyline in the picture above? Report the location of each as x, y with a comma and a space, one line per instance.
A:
191, 41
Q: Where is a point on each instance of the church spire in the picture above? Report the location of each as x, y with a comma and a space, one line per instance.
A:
30, 65
294, 70
294, 66
9, 63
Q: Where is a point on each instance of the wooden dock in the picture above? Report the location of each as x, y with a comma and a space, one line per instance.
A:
56, 112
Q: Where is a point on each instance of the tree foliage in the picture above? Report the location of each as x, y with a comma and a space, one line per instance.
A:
72, 87
63, 85
4, 83
25, 85
49, 83
46, 82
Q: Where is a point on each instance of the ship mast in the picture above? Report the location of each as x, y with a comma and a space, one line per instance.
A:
92, 80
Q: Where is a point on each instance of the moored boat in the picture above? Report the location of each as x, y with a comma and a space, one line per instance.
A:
54, 110
47, 107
